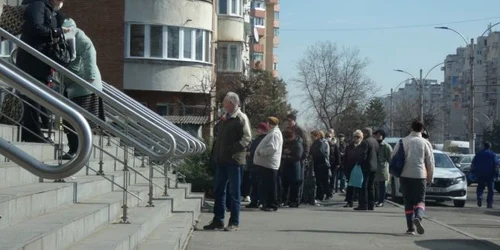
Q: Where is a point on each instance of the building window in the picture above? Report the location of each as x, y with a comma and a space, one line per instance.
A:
275, 66
257, 21
137, 40
230, 7
163, 109
276, 15
258, 56
229, 58
276, 32
168, 42
259, 5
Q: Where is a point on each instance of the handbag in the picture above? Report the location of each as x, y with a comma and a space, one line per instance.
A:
12, 107
356, 178
59, 51
398, 161
12, 19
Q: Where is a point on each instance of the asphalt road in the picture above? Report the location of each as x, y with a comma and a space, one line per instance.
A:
481, 223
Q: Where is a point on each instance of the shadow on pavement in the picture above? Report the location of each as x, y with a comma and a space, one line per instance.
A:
455, 244
492, 212
475, 225
340, 232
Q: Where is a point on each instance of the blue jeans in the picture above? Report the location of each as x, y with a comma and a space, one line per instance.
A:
481, 185
228, 174
339, 174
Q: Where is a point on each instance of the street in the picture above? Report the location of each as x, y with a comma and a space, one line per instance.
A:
481, 223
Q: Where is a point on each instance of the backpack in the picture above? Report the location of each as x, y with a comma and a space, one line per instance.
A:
398, 161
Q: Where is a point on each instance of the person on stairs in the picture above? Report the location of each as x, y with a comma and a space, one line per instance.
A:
85, 66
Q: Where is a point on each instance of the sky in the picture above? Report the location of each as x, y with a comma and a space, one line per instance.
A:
408, 40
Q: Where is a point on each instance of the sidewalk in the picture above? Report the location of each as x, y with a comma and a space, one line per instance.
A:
329, 227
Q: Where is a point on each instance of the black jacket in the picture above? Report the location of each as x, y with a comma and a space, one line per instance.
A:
306, 144
319, 154
352, 156
251, 150
369, 157
334, 155
39, 28
233, 138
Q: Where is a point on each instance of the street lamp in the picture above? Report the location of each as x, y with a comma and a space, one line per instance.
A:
391, 126
472, 139
421, 95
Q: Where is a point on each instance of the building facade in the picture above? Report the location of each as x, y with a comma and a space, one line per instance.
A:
265, 29
160, 52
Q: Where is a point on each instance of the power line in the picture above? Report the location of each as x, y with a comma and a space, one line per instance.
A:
392, 27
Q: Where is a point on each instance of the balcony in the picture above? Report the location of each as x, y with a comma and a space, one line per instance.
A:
276, 41
231, 29
272, 1
258, 48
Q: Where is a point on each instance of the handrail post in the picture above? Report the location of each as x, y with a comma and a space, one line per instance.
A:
101, 154
150, 201
125, 183
142, 161
167, 180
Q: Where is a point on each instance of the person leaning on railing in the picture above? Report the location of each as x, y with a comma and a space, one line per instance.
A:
85, 66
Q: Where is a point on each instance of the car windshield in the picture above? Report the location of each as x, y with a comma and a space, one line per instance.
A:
455, 158
443, 161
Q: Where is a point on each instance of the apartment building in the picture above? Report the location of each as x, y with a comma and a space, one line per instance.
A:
159, 52
457, 88
265, 26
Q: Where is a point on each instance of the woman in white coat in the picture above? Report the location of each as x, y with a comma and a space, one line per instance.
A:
267, 158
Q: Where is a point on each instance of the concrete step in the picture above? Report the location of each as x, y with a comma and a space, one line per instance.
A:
8, 132
67, 225
29, 201
146, 220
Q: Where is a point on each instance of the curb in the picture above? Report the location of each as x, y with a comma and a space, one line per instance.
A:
472, 236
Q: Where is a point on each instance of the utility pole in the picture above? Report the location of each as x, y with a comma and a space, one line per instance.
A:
472, 135
390, 118
421, 99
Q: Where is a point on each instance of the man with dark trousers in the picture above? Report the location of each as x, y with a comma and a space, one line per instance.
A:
369, 163
484, 168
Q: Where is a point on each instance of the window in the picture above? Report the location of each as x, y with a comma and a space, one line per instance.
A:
229, 58
230, 7
276, 32
275, 66
257, 21
168, 42
156, 41
188, 40
276, 15
173, 42
163, 109
259, 5
257, 56
137, 40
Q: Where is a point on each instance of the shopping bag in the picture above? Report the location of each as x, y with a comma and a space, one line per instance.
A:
356, 178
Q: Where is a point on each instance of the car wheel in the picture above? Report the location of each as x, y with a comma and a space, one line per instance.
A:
459, 203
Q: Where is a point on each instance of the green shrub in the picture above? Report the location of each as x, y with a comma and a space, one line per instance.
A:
199, 172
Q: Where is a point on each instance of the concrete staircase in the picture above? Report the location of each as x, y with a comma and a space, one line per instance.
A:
84, 212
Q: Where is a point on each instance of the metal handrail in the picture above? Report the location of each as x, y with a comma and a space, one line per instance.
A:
200, 147
136, 116
45, 96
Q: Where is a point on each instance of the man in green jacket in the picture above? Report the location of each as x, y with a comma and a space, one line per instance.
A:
382, 174
85, 66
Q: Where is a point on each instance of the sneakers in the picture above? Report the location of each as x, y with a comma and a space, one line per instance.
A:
380, 204
231, 228
479, 202
67, 156
490, 206
418, 224
410, 231
247, 199
214, 225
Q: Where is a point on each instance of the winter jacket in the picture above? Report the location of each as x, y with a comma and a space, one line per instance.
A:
84, 65
484, 165
268, 152
251, 150
334, 155
419, 158
233, 137
291, 158
306, 144
39, 28
319, 154
352, 156
342, 147
369, 157
384, 157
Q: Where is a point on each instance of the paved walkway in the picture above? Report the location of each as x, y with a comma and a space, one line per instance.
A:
330, 227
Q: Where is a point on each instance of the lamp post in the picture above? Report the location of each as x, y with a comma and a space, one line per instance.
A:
391, 117
421, 89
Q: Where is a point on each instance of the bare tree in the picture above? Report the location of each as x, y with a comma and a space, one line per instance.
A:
333, 80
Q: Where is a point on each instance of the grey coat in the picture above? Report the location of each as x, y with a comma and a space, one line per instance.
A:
384, 157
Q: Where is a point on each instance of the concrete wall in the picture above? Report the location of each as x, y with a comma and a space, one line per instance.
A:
231, 29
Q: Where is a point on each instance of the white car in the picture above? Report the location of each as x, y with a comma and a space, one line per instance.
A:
449, 183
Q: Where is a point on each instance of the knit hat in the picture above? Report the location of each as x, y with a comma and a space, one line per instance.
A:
263, 126
381, 132
273, 121
69, 23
